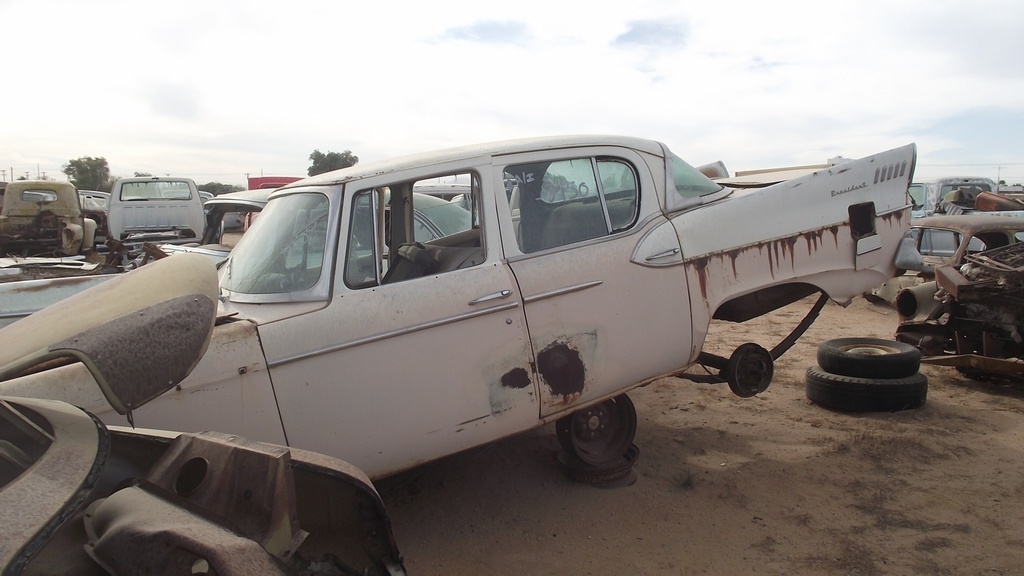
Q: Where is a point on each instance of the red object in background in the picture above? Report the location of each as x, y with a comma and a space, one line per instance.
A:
264, 182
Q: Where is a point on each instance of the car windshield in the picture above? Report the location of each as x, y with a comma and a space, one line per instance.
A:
918, 193
284, 250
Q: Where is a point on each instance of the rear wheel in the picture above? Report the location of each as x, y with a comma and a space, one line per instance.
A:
750, 370
600, 434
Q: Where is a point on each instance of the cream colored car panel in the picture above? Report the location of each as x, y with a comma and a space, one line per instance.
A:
390, 375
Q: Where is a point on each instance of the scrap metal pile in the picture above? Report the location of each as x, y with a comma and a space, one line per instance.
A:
985, 319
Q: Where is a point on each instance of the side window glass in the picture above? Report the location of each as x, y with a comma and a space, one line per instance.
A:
410, 229
618, 186
435, 216
935, 242
567, 201
361, 262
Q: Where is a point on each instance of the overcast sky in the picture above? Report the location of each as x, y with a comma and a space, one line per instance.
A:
216, 90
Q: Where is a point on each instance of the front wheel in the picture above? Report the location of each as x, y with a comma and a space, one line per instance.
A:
600, 434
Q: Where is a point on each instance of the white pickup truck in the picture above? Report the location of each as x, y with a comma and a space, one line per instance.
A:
144, 205
585, 266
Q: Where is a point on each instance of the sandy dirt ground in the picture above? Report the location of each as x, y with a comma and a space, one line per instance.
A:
725, 485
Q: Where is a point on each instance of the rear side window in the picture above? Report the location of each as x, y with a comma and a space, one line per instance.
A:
568, 201
937, 242
688, 182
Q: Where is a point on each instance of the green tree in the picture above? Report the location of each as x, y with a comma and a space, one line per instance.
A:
88, 173
216, 188
142, 174
331, 161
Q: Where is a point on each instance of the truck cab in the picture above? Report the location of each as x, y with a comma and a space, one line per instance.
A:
155, 204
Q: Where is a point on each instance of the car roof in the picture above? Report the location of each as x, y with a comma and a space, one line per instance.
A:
38, 185
259, 196
153, 179
971, 223
954, 179
476, 150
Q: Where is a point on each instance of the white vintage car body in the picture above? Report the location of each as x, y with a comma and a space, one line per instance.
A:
546, 312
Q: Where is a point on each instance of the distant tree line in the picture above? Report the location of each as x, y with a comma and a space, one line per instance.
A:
88, 173
330, 161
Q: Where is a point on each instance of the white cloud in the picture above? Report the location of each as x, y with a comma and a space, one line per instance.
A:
219, 89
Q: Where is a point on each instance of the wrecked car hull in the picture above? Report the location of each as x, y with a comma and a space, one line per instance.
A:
43, 217
974, 320
147, 502
78, 497
390, 374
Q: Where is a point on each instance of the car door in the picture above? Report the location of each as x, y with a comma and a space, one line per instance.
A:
406, 365
600, 273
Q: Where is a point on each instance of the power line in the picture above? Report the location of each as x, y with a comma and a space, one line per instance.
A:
975, 165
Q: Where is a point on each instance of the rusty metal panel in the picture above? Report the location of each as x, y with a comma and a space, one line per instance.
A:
950, 280
978, 361
35, 504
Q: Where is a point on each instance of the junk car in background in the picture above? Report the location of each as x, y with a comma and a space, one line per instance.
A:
43, 218
971, 316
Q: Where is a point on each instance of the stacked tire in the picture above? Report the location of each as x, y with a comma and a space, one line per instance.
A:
867, 375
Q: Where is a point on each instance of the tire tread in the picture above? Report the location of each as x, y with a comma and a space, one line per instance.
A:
854, 394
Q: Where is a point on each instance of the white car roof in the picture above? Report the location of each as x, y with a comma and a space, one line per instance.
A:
478, 150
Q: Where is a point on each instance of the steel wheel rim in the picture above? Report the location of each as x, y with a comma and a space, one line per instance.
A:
602, 433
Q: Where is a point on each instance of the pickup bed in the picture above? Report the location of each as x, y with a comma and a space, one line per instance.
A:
583, 267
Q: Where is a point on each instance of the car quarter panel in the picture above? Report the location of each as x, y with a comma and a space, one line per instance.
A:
837, 229
229, 389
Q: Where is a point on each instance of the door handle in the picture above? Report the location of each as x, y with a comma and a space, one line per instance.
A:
665, 254
489, 297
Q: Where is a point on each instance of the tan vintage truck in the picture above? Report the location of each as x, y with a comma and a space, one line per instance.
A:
43, 218
588, 265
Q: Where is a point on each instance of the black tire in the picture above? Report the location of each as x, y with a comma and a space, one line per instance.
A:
600, 434
612, 475
869, 358
865, 394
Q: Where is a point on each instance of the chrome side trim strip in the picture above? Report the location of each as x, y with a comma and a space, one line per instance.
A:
390, 334
560, 291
